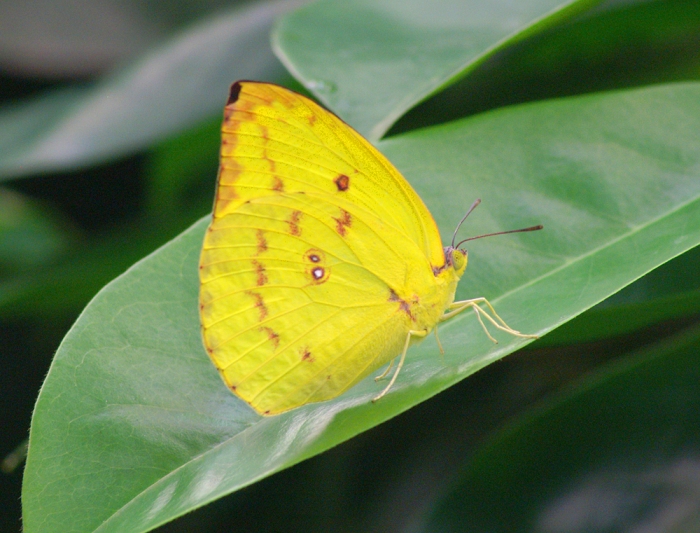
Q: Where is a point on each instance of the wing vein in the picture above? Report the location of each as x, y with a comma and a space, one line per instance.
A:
323, 370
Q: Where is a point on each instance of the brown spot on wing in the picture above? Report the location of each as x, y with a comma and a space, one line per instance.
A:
318, 274
259, 304
306, 355
318, 271
437, 270
293, 222
261, 242
343, 222
261, 275
277, 184
229, 168
271, 336
342, 182
403, 305
315, 256
312, 120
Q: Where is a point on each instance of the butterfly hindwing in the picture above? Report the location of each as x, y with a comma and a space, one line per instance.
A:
295, 306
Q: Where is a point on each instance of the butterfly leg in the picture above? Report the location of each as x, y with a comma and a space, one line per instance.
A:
461, 306
383, 375
498, 322
401, 360
475, 303
442, 352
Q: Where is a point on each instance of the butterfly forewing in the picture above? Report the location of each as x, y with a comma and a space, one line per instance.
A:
274, 139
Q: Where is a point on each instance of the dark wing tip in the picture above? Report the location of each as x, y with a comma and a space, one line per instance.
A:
233, 93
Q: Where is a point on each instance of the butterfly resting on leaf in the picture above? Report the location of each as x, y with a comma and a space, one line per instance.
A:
321, 263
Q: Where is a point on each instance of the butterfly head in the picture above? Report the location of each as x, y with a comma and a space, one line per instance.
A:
457, 259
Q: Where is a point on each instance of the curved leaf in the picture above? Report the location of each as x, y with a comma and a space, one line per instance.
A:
617, 45
133, 423
175, 86
619, 452
668, 292
371, 61
67, 39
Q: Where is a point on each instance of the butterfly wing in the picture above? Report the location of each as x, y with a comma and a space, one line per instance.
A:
290, 314
276, 140
314, 241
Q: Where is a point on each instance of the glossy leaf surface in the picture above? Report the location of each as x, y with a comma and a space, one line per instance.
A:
133, 420
371, 61
618, 452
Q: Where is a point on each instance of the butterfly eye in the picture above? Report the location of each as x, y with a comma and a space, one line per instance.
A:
459, 260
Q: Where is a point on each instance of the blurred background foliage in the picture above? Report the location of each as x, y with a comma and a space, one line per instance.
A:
68, 225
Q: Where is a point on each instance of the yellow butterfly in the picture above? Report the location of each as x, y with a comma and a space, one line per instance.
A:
321, 263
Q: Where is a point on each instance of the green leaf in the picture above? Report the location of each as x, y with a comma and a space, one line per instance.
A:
133, 426
178, 176
177, 85
371, 61
617, 45
668, 292
67, 40
617, 452
63, 287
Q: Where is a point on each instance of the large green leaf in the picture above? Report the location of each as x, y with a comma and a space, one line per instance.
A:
618, 44
669, 292
133, 427
174, 87
619, 452
60, 40
370, 60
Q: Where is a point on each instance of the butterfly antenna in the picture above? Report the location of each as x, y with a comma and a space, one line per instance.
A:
454, 236
532, 228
